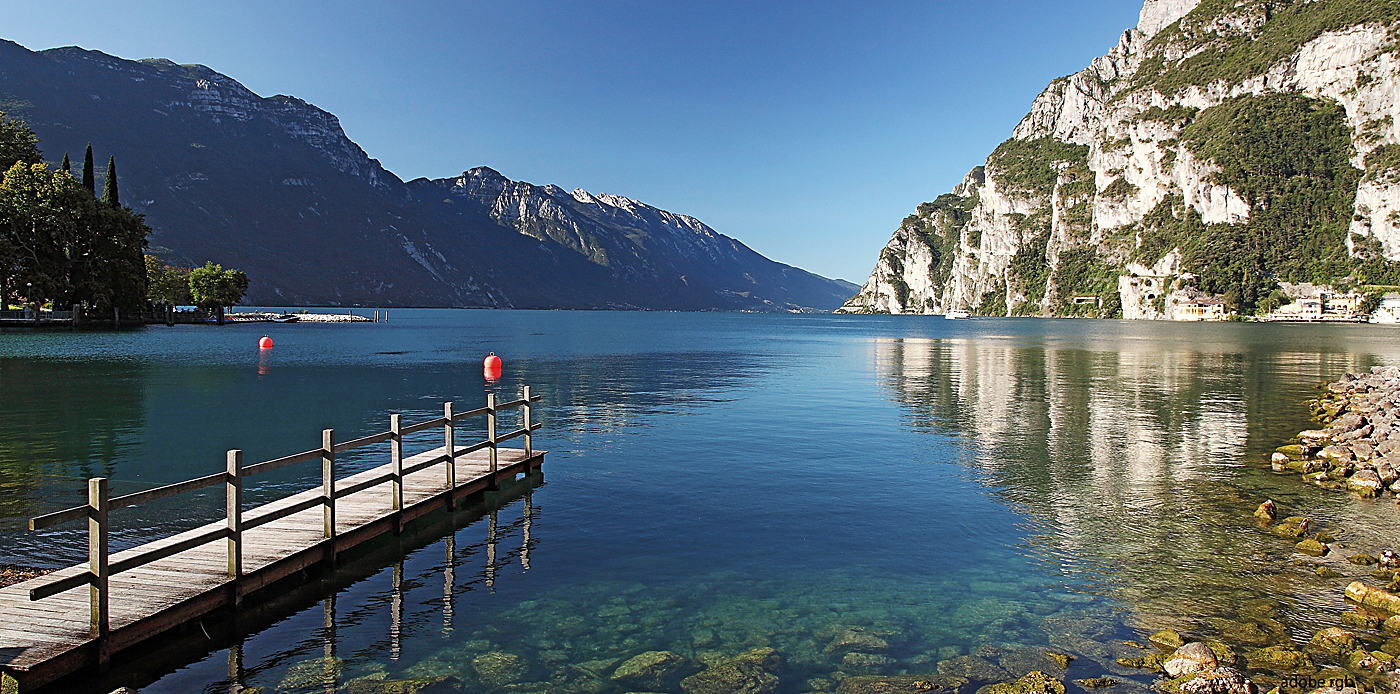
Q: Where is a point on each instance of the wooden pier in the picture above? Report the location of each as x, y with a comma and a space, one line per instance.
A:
77, 618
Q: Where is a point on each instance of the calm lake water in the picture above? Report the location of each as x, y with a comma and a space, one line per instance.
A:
964, 491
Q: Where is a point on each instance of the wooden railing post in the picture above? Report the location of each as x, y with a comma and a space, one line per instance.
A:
233, 508
449, 441
97, 553
328, 485
396, 454
491, 435
529, 449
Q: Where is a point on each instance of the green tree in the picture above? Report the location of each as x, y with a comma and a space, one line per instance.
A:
109, 185
66, 166
89, 181
17, 144
166, 284
213, 287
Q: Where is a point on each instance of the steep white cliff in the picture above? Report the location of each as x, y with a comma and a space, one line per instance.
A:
1126, 112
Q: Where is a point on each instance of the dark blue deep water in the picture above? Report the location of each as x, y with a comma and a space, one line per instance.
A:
722, 482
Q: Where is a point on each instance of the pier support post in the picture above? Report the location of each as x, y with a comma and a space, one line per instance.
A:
97, 557
233, 508
529, 445
396, 455
491, 439
449, 441
328, 492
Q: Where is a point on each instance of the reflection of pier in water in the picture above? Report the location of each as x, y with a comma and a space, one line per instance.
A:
327, 640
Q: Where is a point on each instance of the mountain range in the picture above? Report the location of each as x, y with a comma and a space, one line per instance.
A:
274, 187
1223, 151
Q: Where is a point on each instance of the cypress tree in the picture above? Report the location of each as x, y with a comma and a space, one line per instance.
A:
109, 186
67, 167
88, 181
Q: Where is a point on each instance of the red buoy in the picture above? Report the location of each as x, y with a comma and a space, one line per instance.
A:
491, 367
265, 342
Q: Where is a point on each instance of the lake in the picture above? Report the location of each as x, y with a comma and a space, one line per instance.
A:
863, 494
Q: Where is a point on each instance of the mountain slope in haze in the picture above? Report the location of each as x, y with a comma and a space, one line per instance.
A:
1222, 149
274, 187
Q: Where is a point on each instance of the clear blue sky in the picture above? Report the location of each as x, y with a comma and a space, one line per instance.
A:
805, 130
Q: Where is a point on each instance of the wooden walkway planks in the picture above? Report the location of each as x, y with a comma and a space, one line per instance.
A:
46, 639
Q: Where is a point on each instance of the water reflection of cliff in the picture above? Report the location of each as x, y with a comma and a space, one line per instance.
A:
1134, 465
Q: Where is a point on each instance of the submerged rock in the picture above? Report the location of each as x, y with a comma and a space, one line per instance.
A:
1311, 547
746, 673
1292, 526
1360, 620
866, 663
652, 671
900, 684
316, 672
1147, 662
1334, 640
1362, 559
1034, 681
856, 640
1024, 660
972, 668
1168, 639
1097, 682
1190, 659
381, 685
1278, 658
498, 667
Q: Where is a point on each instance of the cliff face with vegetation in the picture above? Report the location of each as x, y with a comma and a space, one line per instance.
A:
273, 186
1222, 147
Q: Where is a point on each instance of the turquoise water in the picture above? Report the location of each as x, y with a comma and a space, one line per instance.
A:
963, 491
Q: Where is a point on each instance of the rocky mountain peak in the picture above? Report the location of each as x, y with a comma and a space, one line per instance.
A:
1157, 15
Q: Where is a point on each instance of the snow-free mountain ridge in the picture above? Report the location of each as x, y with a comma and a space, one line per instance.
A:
273, 186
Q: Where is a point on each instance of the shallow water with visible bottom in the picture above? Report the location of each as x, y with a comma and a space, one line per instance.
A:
865, 495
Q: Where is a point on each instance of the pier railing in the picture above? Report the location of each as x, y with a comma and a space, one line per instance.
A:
101, 504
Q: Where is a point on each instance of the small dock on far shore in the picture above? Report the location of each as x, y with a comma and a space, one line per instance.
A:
77, 618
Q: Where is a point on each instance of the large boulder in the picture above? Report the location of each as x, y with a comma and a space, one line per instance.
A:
747, 673
1190, 659
653, 671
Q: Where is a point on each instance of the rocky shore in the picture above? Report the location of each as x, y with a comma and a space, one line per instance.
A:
1359, 450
